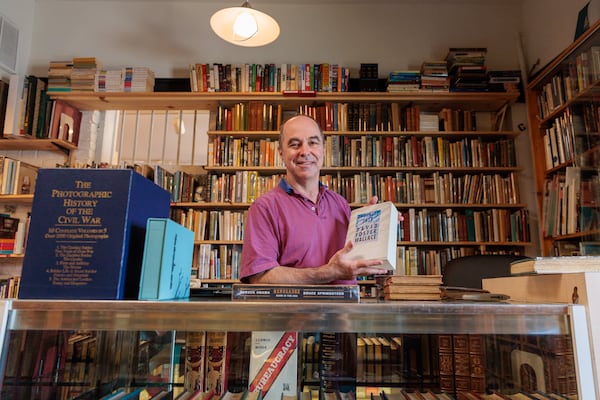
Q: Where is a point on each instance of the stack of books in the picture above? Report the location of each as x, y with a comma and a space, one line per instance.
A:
83, 74
466, 68
504, 81
59, 76
138, 79
404, 81
109, 80
434, 76
412, 287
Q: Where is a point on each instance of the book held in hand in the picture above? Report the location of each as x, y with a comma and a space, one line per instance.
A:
373, 232
167, 261
555, 265
87, 231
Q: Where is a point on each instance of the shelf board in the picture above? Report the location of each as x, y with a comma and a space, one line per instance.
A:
275, 134
346, 170
13, 142
477, 101
16, 198
243, 206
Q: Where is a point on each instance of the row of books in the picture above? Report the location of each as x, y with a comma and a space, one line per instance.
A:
86, 74
213, 261
241, 187
569, 203
126, 79
434, 188
402, 187
573, 137
17, 177
491, 225
371, 151
224, 225
581, 73
356, 117
9, 287
268, 77
217, 261
38, 116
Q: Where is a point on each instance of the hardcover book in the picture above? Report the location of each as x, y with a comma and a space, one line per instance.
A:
275, 292
66, 122
167, 260
87, 231
373, 231
274, 364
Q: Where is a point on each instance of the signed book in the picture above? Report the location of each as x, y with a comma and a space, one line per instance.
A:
87, 232
167, 261
373, 230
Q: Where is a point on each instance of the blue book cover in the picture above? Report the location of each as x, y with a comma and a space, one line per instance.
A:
87, 231
167, 262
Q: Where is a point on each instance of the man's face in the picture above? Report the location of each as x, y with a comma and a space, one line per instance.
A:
302, 148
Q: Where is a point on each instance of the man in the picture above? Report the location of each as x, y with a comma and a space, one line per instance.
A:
296, 232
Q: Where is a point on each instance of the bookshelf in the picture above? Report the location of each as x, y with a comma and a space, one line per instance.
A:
563, 122
441, 193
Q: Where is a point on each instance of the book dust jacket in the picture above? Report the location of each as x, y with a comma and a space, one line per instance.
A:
373, 231
86, 237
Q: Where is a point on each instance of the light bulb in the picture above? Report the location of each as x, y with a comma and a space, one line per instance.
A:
245, 26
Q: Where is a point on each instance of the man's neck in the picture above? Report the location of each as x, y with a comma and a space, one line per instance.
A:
308, 188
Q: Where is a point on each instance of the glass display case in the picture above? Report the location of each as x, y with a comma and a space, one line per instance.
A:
439, 349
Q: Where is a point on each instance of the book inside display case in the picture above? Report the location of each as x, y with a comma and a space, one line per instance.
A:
303, 350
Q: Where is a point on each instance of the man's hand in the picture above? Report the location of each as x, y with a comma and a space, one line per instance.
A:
344, 268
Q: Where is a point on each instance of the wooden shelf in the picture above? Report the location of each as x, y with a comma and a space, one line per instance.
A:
241, 206
16, 198
449, 134
13, 142
209, 101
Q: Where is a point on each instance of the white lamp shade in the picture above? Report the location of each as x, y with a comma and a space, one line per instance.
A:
223, 21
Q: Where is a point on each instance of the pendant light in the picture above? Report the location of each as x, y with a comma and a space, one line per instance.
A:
244, 26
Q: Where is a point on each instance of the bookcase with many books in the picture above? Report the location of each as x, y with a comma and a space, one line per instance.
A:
564, 126
445, 159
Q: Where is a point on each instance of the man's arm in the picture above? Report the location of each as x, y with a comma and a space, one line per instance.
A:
339, 267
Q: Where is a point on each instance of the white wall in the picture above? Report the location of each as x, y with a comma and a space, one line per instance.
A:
20, 12
550, 26
168, 35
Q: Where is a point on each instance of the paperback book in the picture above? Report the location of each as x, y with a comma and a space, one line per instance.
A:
373, 230
274, 292
87, 232
274, 364
167, 261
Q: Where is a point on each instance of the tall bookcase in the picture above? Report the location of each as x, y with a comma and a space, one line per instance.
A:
564, 124
455, 182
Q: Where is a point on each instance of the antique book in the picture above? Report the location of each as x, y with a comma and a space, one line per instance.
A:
87, 232
167, 261
373, 232
275, 292
273, 364
216, 368
555, 265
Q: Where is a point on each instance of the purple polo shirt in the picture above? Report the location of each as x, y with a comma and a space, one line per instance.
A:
285, 228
